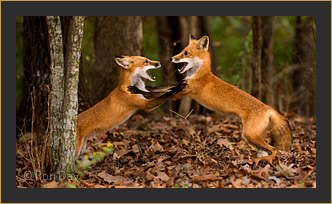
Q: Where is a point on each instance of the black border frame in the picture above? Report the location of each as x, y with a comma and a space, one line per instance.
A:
322, 11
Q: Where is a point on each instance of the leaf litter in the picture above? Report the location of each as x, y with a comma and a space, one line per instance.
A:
167, 153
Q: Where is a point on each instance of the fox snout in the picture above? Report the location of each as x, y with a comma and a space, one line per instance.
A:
173, 59
157, 64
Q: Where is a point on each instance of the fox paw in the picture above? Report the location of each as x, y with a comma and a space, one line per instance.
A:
182, 85
133, 90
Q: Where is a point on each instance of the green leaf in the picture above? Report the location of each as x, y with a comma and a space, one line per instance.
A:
70, 185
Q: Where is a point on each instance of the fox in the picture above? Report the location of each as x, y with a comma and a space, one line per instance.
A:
215, 94
121, 104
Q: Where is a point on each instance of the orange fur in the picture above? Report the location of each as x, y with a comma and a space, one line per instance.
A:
217, 95
120, 104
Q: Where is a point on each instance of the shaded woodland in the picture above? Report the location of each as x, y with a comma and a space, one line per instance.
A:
271, 57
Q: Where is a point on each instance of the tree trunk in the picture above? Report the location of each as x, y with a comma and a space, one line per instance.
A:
256, 57
304, 76
64, 81
267, 60
114, 35
36, 77
72, 61
57, 91
167, 27
174, 34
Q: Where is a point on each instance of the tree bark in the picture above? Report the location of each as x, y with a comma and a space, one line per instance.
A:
267, 60
304, 76
256, 57
36, 77
57, 91
64, 81
114, 35
73, 54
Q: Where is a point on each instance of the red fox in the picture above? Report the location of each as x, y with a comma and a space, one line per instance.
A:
215, 94
120, 104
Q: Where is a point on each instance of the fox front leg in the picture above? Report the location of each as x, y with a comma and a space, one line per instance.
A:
163, 98
158, 89
147, 95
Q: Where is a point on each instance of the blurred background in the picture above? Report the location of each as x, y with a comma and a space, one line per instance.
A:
271, 57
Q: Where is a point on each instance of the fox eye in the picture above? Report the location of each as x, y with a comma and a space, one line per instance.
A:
132, 62
186, 53
146, 61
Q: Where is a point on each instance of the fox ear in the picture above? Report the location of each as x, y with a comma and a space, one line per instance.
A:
191, 37
121, 61
203, 43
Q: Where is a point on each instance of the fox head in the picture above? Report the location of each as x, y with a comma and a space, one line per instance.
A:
136, 67
193, 55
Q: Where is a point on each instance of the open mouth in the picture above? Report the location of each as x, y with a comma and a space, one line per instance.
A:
152, 78
184, 66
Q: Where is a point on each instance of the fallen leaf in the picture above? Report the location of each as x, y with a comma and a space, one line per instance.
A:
120, 153
225, 142
212, 177
274, 178
162, 176
245, 181
52, 184
284, 170
156, 147
109, 178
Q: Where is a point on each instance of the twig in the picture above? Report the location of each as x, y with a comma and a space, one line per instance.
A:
31, 149
186, 119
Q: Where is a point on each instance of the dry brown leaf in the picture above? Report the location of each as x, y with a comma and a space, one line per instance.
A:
113, 186
213, 129
109, 178
162, 176
212, 177
154, 148
284, 170
120, 153
52, 184
149, 175
225, 142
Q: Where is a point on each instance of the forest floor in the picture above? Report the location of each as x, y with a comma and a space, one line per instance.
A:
177, 152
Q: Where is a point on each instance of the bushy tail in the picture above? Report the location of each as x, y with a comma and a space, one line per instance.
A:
281, 132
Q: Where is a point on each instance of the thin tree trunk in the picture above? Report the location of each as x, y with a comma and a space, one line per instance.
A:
304, 57
267, 63
73, 54
167, 26
256, 57
64, 81
57, 91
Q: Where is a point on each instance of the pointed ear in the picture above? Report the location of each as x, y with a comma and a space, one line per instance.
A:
203, 43
121, 61
191, 37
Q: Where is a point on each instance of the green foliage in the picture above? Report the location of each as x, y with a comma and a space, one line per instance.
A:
184, 186
70, 185
89, 160
232, 45
151, 47
231, 39
284, 36
88, 48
